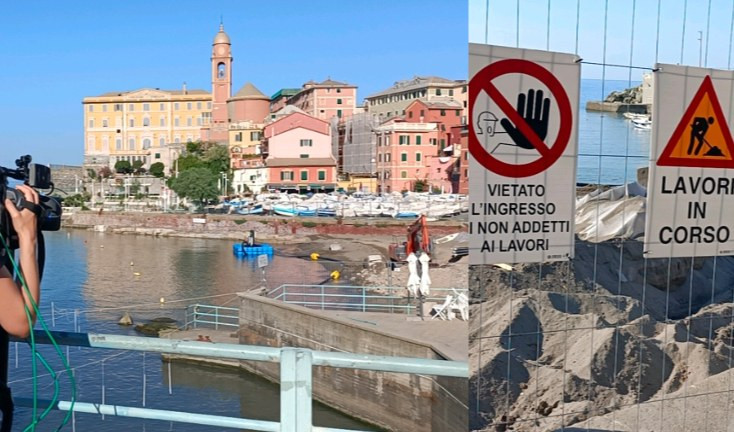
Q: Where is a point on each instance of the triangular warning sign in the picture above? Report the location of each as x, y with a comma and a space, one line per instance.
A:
702, 138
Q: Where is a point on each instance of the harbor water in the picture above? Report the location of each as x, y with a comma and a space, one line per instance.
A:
610, 148
92, 278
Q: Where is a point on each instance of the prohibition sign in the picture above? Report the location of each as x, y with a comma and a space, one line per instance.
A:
548, 155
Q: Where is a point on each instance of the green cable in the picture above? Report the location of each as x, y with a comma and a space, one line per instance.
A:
35, 353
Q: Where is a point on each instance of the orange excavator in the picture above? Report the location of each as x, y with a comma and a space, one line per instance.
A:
417, 240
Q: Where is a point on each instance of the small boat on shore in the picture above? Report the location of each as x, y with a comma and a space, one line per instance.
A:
642, 123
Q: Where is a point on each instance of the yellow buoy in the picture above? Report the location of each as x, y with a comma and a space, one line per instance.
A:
335, 274
136, 274
163, 300
131, 263
314, 256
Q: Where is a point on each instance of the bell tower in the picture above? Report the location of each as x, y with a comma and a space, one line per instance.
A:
221, 84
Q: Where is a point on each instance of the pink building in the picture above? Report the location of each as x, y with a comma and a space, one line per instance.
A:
299, 156
416, 147
326, 99
221, 70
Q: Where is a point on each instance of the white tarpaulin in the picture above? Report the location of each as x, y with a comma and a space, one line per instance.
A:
615, 213
414, 279
425, 286
523, 107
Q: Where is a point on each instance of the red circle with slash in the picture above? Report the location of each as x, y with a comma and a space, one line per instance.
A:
482, 81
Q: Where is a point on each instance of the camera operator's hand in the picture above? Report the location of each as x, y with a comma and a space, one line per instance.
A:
14, 297
24, 220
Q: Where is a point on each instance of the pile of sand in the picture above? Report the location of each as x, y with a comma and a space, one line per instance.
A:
588, 344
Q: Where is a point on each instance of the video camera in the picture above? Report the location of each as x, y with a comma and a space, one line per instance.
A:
36, 176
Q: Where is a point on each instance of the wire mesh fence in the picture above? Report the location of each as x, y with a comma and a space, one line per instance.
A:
608, 340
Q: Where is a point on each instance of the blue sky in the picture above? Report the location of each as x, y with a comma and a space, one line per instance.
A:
621, 41
55, 53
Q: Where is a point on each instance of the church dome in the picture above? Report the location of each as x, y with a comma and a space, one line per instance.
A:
221, 37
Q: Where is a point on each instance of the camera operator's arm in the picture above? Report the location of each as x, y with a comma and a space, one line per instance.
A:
12, 296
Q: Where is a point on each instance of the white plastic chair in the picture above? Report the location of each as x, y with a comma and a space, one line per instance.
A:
461, 305
443, 311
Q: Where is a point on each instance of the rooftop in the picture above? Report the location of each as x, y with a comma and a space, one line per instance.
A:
417, 82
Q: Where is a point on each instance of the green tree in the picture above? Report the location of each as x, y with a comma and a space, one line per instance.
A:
91, 174
199, 184
216, 159
157, 169
420, 186
123, 167
187, 162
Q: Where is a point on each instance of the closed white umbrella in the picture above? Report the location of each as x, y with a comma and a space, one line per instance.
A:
413, 279
425, 278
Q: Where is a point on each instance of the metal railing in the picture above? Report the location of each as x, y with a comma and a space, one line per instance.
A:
355, 298
296, 380
198, 314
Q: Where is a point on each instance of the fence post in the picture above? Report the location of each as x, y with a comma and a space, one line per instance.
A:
296, 367
196, 315
364, 299
322, 297
216, 318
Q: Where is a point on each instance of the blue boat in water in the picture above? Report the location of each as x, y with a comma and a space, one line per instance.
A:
244, 250
249, 210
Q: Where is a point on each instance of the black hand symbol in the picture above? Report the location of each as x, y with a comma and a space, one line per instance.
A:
536, 116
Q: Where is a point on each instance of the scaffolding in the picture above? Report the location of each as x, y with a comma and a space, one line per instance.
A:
355, 144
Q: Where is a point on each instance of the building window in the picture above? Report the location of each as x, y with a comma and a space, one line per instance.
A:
304, 156
132, 122
387, 157
443, 143
146, 121
238, 137
188, 121
418, 157
198, 121
432, 141
91, 108
162, 107
177, 140
322, 173
104, 123
306, 143
338, 101
338, 90
146, 107
208, 105
410, 114
418, 140
423, 113
458, 113
220, 70
91, 123
161, 143
157, 155
131, 107
104, 107
286, 175
443, 112
339, 113
403, 157
175, 122
255, 136
131, 144
163, 121
118, 107
404, 140
175, 106
188, 106
118, 144
387, 141
198, 105
304, 175
438, 92
146, 144
379, 157
451, 92
403, 174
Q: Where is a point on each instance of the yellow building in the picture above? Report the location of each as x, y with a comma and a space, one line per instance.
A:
149, 125
244, 142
